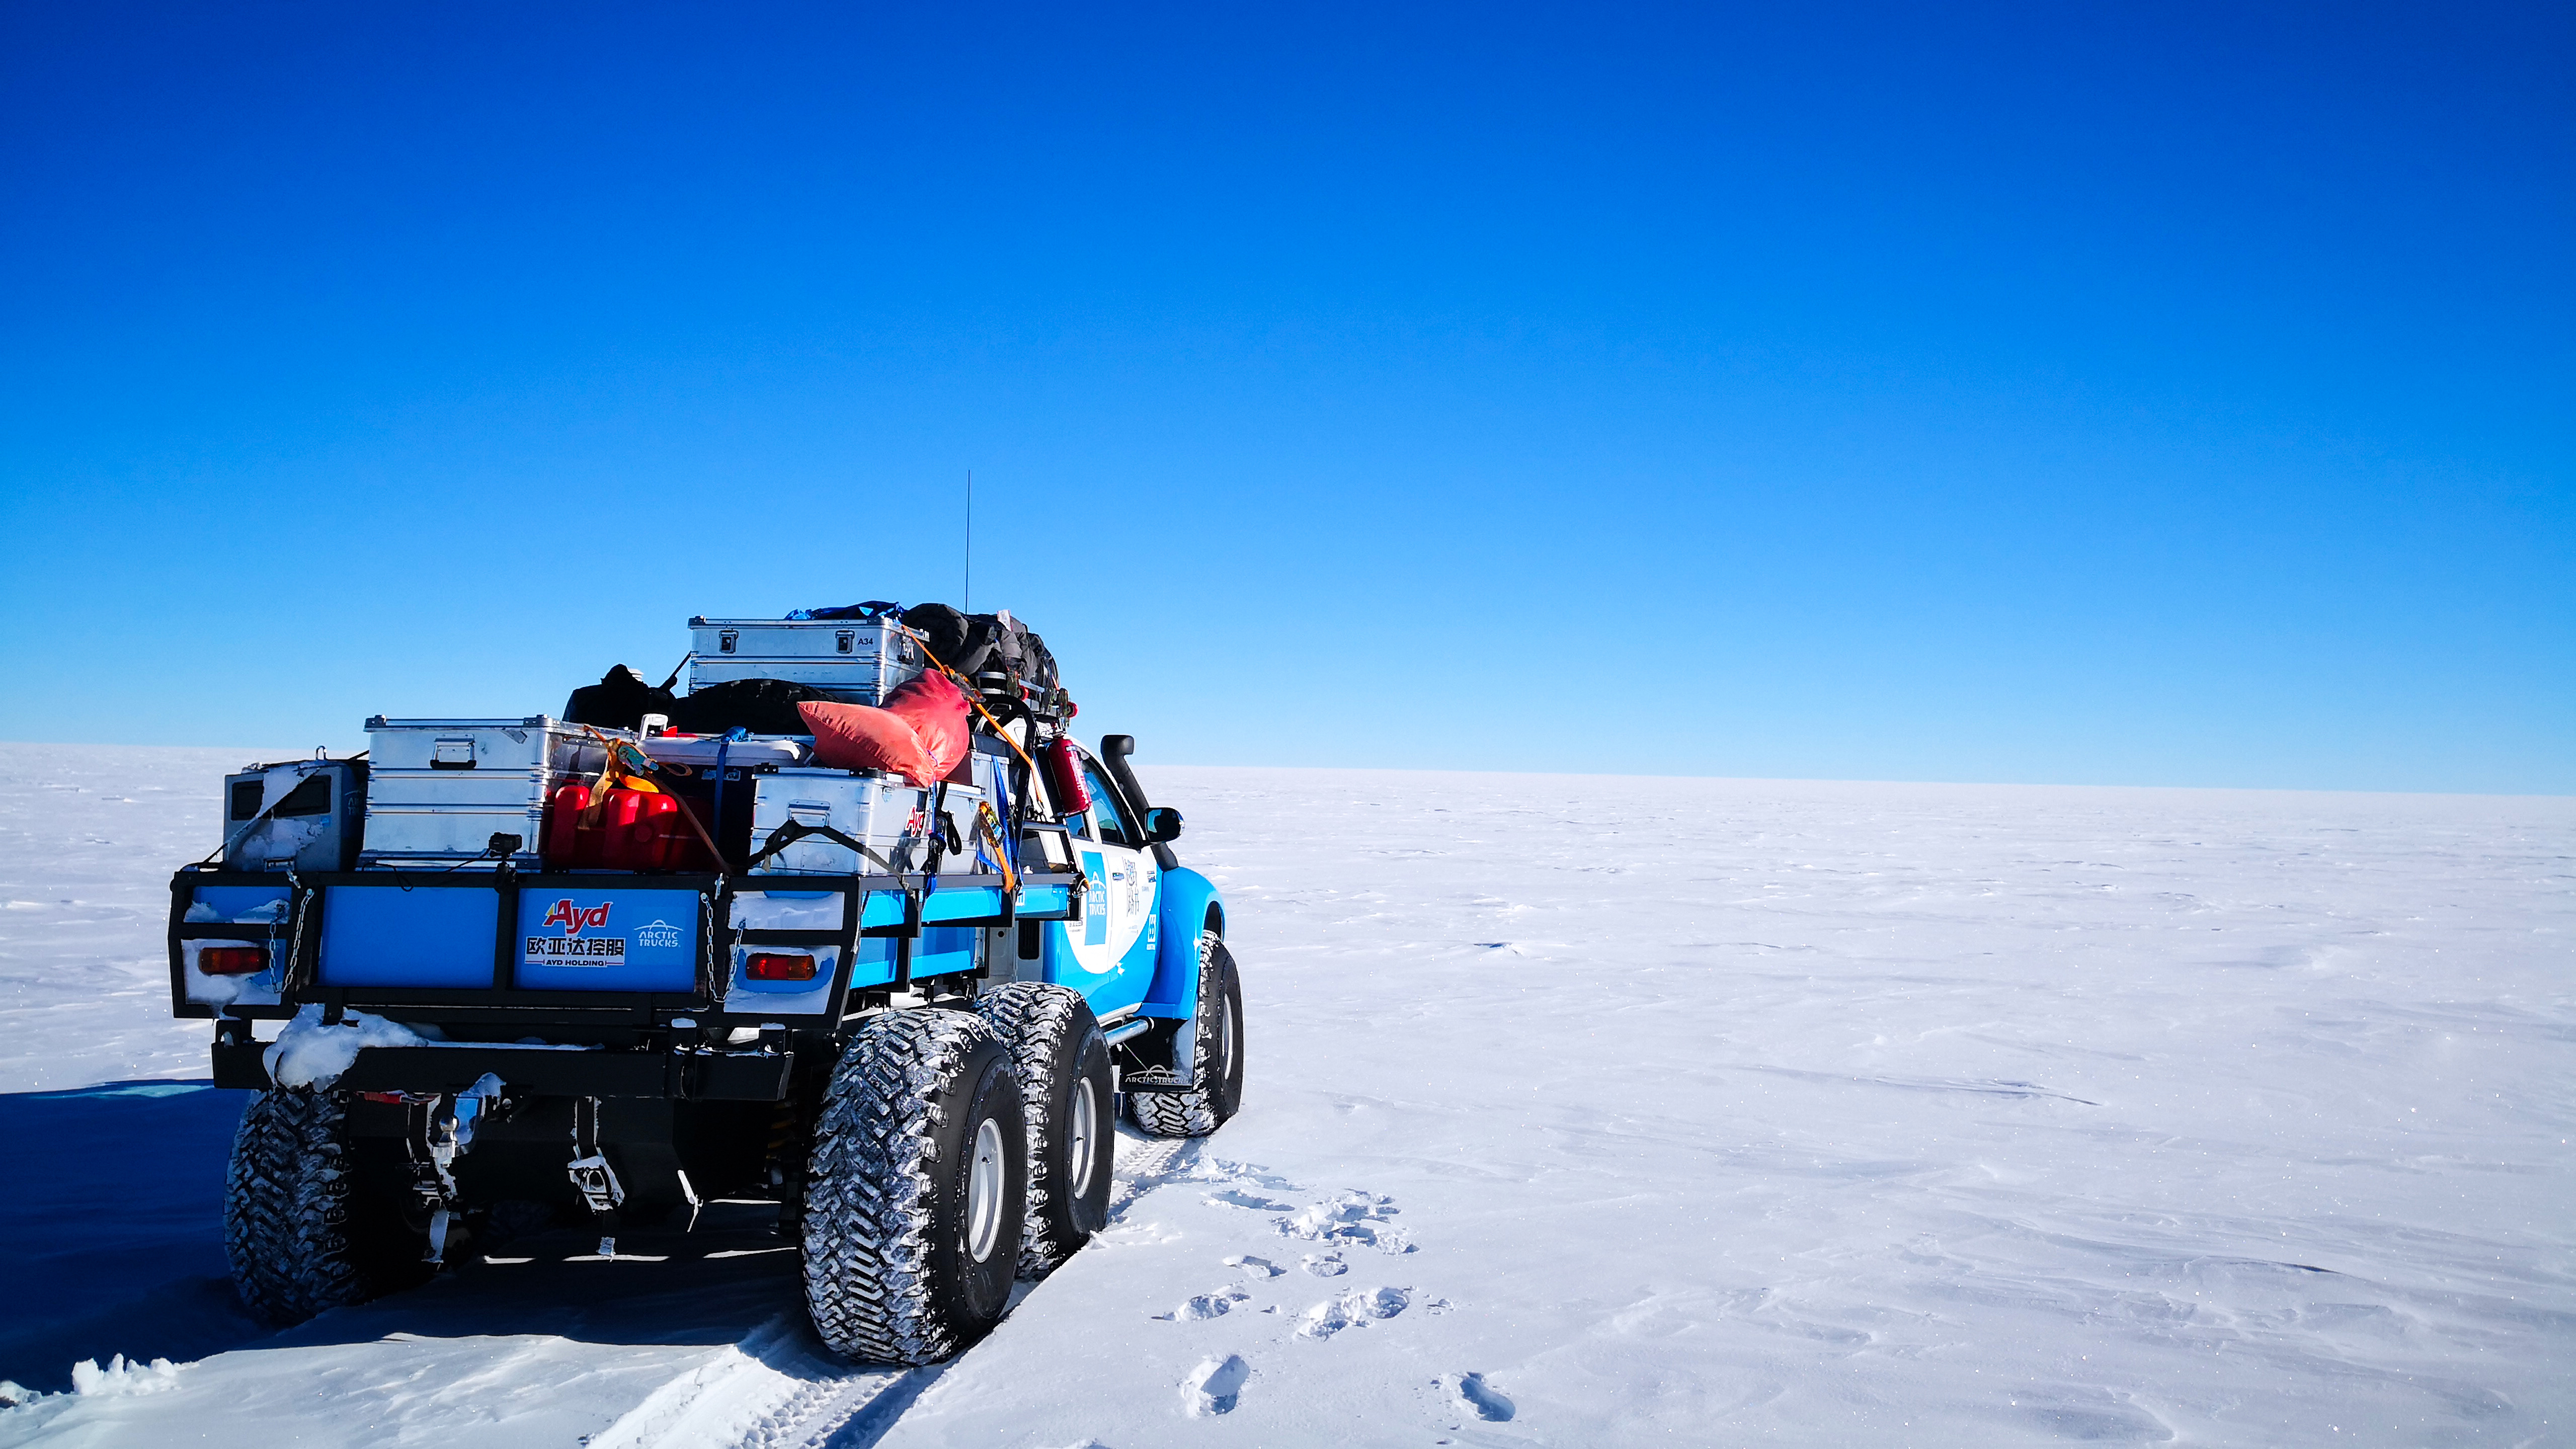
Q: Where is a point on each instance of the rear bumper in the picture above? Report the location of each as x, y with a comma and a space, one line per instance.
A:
687, 1075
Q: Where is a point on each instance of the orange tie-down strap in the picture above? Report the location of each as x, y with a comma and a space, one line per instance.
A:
630, 767
968, 689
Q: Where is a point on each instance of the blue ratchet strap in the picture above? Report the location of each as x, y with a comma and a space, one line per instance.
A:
724, 744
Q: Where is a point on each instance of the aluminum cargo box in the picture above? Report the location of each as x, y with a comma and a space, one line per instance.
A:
857, 660
877, 811
874, 810
438, 790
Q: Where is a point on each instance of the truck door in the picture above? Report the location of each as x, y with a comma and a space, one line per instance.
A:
1112, 947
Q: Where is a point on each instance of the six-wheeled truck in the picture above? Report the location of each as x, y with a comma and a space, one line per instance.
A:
603, 969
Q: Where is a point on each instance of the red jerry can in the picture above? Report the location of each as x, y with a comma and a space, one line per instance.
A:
568, 846
635, 830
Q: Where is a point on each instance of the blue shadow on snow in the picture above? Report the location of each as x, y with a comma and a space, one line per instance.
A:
111, 1230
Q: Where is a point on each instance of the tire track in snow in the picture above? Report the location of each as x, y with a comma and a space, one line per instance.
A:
854, 1408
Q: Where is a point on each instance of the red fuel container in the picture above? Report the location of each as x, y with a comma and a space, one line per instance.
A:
635, 830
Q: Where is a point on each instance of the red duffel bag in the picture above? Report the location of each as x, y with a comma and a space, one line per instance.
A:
921, 734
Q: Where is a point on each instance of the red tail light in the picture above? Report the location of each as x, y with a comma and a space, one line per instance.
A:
232, 960
779, 966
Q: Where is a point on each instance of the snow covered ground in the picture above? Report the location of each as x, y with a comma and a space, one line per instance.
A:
1582, 1111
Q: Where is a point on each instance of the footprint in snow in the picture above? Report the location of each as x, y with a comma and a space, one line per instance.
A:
1348, 1217
1325, 1265
1236, 1197
1225, 1170
1475, 1396
1351, 1310
1205, 1306
1254, 1267
1215, 1386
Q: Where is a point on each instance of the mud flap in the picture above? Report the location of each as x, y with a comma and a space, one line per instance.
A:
1156, 1059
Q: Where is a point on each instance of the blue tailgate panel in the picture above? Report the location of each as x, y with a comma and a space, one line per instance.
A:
960, 903
429, 936
607, 940
874, 964
943, 950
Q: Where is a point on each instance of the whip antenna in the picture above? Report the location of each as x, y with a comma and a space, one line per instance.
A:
970, 543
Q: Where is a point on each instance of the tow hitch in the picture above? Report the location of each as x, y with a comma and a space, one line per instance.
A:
435, 1140
592, 1177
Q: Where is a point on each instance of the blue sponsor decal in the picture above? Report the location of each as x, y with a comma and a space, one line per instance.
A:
1095, 906
625, 940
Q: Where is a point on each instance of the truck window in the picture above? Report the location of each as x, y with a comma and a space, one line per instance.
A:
1104, 809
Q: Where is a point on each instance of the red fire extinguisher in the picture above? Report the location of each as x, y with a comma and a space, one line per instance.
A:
1064, 777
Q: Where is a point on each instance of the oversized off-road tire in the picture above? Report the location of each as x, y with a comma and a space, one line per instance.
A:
914, 1194
1212, 1042
1063, 1067
303, 1228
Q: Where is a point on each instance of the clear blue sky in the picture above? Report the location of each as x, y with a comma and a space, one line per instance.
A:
2147, 395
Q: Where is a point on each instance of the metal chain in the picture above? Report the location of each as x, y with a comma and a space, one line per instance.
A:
298, 898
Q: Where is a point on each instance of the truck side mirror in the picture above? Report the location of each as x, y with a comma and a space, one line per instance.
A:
1162, 823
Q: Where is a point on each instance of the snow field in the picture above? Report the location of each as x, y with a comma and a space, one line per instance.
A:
1714, 1111
89, 835
1586, 1111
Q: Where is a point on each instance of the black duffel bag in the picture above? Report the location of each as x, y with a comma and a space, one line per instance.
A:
973, 644
961, 641
619, 701
762, 706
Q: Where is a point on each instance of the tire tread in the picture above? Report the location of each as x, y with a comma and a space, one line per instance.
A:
1034, 1020
1202, 1109
869, 1191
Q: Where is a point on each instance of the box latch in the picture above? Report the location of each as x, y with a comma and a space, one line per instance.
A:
848, 639
725, 640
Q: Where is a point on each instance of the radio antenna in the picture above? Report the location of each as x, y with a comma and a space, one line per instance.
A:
970, 543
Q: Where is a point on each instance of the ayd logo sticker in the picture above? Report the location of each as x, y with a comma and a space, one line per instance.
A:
573, 918
572, 948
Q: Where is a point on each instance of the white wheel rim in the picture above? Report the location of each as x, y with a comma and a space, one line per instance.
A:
1225, 1041
1080, 1132
984, 1191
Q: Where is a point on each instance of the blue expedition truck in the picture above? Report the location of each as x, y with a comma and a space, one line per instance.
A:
607, 967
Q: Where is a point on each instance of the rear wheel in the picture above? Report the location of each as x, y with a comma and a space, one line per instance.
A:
1212, 1044
304, 1227
916, 1190
1063, 1068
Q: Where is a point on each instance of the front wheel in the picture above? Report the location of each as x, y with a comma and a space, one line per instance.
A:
1212, 1043
914, 1197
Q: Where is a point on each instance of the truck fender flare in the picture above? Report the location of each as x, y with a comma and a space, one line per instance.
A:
1190, 904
